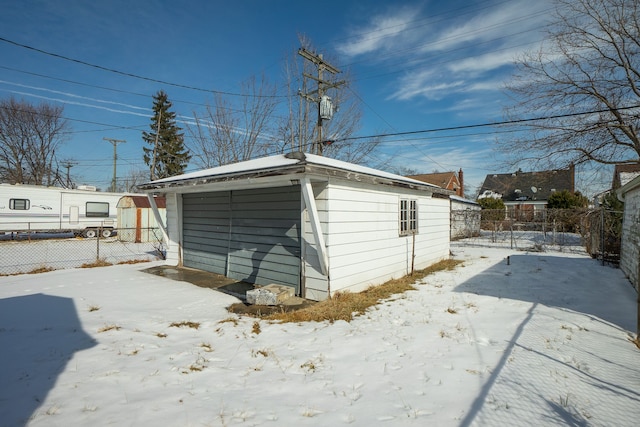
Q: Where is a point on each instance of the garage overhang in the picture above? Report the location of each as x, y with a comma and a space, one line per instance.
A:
282, 170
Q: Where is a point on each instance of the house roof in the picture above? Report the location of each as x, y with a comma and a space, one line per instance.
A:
283, 165
623, 173
528, 186
441, 179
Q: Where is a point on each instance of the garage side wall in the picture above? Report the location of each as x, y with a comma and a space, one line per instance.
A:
630, 256
363, 240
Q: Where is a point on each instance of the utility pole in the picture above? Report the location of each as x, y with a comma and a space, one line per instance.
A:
325, 108
115, 142
68, 165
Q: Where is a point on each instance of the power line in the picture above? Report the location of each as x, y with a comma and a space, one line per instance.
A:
489, 124
127, 74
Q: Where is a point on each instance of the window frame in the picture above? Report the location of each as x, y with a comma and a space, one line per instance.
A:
408, 217
92, 212
25, 207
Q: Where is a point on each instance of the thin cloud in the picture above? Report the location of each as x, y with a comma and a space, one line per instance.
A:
382, 33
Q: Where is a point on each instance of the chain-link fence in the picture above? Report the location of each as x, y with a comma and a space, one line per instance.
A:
40, 251
598, 231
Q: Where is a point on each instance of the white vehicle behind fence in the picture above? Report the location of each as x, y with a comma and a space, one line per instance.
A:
29, 208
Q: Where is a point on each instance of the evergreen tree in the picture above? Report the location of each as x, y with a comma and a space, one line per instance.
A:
170, 156
566, 200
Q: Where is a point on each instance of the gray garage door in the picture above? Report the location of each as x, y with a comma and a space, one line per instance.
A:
250, 235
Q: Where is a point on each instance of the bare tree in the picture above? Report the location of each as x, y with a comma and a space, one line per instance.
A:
29, 137
132, 179
233, 130
589, 63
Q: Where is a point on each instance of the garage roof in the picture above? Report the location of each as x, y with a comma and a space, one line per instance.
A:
286, 165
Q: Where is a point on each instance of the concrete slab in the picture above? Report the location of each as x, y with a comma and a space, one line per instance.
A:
272, 294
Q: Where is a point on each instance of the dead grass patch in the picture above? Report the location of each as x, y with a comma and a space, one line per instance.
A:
97, 263
185, 324
41, 270
133, 261
108, 328
345, 305
256, 328
36, 270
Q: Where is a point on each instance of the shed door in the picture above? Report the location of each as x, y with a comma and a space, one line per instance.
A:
250, 235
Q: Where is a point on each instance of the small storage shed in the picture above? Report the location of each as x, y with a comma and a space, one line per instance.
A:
465, 218
136, 220
316, 224
630, 248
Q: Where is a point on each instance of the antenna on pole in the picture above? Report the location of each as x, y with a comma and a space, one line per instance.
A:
115, 142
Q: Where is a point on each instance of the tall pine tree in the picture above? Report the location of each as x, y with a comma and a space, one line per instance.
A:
166, 154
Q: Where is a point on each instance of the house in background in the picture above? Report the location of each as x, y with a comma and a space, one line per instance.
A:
624, 173
629, 193
316, 224
525, 193
453, 181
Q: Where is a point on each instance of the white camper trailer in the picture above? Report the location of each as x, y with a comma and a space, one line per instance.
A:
37, 208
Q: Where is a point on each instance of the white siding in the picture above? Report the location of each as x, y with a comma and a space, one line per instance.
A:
630, 254
363, 239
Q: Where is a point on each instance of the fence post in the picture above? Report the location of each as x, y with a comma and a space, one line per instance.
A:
511, 227
98, 244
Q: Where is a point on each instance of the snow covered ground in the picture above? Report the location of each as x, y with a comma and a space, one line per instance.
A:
540, 338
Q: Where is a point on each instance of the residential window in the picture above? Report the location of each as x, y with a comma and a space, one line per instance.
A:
98, 209
19, 204
408, 217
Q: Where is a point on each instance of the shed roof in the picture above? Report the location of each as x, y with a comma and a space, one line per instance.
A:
140, 202
285, 165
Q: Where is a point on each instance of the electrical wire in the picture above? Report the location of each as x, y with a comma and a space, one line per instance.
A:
127, 74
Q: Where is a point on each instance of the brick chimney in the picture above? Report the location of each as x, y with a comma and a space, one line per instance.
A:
461, 180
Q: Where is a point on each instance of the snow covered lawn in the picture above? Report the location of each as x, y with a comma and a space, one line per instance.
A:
539, 340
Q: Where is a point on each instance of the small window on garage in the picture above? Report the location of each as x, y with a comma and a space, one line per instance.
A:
98, 209
408, 217
19, 204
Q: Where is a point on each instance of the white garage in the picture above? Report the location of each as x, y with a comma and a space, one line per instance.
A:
306, 221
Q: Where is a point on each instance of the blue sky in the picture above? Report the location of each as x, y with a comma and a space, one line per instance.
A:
416, 65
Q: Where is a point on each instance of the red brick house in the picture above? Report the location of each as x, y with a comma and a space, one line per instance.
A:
453, 181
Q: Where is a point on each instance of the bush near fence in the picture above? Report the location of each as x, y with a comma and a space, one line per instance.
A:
40, 251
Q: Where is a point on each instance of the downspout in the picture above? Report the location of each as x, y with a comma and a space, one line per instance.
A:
156, 214
310, 203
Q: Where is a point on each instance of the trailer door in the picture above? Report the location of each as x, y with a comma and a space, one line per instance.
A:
74, 215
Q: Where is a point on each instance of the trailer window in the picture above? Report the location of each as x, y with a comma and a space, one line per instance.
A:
98, 209
19, 204
408, 218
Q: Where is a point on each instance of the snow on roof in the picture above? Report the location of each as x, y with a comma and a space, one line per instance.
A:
282, 161
463, 200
